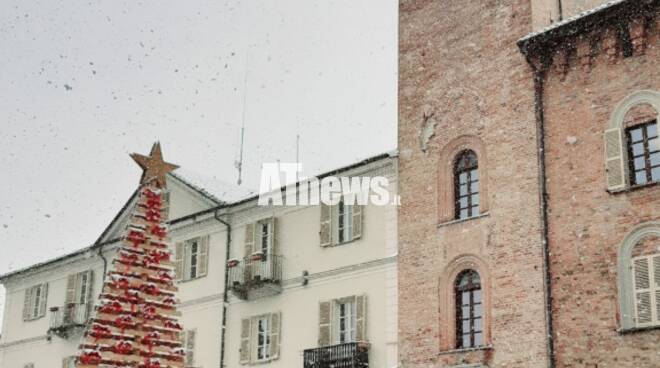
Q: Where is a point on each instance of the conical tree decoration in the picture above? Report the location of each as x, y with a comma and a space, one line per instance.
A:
135, 322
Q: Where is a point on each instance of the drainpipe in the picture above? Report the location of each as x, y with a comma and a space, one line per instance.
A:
225, 295
560, 10
105, 261
539, 77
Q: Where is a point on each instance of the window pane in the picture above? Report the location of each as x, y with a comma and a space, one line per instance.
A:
477, 296
639, 163
465, 311
462, 178
478, 339
463, 202
465, 299
638, 149
463, 189
655, 159
478, 327
466, 341
654, 144
640, 177
465, 326
464, 214
474, 187
655, 174
636, 134
475, 199
474, 174
652, 130
478, 310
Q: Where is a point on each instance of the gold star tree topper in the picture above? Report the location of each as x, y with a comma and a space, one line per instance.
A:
153, 166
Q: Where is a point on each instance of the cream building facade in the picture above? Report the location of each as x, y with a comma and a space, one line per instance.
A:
306, 284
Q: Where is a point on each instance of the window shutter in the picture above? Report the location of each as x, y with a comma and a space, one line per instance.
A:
275, 334
27, 304
326, 225
203, 258
178, 261
358, 211
70, 289
361, 317
89, 293
90, 287
249, 239
325, 323
246, 330
273, 236
614, 169
44, 300
642, 291
656, 286
190, 348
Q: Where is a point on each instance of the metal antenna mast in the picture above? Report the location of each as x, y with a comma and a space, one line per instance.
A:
239, 163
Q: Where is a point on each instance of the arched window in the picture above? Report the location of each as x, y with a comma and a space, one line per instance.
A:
469, 310
639, 277
466, 185
632, 145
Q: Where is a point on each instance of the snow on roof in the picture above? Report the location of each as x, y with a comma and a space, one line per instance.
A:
572, 19
212, 187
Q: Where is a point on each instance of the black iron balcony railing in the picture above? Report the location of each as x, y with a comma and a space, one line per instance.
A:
256, 276
349, 355
63, 320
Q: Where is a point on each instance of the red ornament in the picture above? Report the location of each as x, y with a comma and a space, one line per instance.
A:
92, 358
123, 347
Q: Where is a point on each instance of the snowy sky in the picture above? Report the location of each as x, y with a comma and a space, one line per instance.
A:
83, 83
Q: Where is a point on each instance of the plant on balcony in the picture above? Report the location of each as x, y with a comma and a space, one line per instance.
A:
257, 256
232, 263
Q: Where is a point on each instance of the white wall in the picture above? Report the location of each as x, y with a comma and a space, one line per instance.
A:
364, 266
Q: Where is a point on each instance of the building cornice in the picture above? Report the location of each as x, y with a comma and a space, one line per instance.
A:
625, 19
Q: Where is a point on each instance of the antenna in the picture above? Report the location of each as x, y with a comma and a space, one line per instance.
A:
239, 162
297, 154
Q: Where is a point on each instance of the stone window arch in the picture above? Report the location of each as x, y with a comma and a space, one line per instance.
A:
638, 278
450, 288
447, 180
638, 108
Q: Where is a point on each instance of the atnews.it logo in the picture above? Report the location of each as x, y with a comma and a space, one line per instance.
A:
330, 190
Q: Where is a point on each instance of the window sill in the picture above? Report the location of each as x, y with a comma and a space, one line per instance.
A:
453, 222
466, 350
343, 243
181, 281
632, 330
633, 188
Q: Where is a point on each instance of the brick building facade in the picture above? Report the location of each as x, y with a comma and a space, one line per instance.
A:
516, 244
601, 81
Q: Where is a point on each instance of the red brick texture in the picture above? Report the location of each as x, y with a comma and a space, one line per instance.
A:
587, 224
462, 73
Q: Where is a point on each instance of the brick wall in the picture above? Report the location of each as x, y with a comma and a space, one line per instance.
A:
587, 224
463, 83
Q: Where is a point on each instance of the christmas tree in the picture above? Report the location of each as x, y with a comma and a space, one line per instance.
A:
135, 322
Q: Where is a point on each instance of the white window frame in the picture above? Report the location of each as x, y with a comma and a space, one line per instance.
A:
343, 218
345, 310
37, 307
262, 330
191, 258
262, 237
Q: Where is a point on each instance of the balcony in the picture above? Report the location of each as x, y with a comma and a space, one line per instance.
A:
350, 355
66, 320
256, 276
